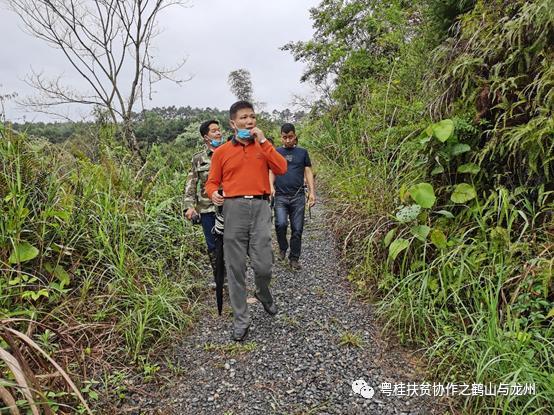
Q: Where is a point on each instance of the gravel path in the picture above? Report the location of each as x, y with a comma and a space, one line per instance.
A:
294, 363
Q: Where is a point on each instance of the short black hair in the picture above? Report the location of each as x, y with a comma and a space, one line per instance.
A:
205, 126
287, 128
237, 106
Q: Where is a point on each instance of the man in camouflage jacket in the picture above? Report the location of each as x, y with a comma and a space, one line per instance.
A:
196, 202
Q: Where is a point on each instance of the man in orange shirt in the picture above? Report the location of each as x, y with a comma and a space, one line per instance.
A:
241, 168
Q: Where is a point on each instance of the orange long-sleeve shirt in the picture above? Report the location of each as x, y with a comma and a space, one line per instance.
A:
244, 169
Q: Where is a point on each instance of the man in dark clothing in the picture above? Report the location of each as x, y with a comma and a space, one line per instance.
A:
290, 199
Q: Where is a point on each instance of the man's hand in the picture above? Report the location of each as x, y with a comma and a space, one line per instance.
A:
217, 199
190, 212
258, 134
311, 199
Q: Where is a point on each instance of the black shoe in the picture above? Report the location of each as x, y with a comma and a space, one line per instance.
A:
270, 309
240, 334
282, 255
295, 265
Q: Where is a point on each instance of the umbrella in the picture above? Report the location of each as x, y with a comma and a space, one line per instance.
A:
219, 259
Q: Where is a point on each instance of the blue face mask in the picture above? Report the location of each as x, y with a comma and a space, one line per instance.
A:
215, 143
244, 134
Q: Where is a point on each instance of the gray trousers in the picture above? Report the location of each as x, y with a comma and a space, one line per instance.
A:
247, 232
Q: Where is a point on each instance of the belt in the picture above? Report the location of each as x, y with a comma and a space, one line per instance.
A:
264, 197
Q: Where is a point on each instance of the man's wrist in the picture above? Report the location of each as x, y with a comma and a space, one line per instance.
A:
263, 140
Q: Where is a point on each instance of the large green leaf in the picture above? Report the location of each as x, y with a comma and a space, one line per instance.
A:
23, 251
459, 149
471, 168
438, 238
420, 232
408, 213
463, 192
397, 246
423, 194
443, 130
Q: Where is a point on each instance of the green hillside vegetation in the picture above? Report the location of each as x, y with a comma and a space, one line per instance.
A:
433, 140
99, 266
435, 146
153, 126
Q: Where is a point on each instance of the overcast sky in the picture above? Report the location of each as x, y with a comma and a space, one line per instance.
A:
217, 36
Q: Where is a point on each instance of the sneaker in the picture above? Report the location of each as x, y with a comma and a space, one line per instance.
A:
295, 265
282, 255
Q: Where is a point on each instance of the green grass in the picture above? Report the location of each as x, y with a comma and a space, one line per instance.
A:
95, 248
480, 305
349, 339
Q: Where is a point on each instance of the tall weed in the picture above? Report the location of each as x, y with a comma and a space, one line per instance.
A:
95, 242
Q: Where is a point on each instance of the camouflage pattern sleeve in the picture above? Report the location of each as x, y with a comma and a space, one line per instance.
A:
191, 186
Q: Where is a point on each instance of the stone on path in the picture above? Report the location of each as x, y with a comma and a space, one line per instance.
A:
305, 359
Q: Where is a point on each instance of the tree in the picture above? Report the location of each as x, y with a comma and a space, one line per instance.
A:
108, 43
241, 84
353, 41
3, 99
